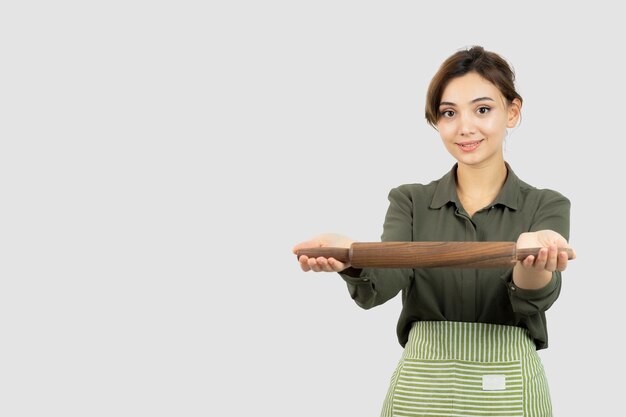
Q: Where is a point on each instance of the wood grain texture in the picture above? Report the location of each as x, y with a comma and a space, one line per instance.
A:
427, 254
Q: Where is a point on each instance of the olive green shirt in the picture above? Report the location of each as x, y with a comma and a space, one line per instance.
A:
433, 212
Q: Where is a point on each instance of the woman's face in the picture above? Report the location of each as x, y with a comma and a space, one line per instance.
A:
474, 118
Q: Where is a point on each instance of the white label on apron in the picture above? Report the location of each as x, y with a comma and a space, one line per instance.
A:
494, 382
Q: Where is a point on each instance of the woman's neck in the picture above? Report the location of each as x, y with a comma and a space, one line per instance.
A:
477, 187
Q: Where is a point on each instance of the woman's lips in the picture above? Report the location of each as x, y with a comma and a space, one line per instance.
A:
469, 146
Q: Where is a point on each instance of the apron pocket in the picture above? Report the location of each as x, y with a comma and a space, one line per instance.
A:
453, 387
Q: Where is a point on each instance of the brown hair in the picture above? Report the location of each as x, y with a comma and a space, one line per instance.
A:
488, 65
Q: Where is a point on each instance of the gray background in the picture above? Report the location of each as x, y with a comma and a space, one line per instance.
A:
158, 160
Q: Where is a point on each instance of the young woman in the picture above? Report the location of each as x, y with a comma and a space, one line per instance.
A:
470, 336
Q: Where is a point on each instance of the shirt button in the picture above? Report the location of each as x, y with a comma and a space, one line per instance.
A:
512, 288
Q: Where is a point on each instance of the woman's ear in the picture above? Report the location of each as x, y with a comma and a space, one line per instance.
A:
515, 112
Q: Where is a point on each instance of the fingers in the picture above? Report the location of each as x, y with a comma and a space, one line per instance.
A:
304, 263
528, 261
321, 264
562, 261
551, 258
548, 259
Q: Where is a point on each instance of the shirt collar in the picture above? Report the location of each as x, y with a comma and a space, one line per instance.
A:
446, 190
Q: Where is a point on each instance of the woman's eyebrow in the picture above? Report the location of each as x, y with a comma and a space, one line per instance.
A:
482, 99
449, 103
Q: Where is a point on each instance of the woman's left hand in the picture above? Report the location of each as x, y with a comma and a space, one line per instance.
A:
548, 258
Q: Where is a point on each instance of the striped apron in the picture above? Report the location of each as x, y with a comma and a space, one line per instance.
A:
468, 369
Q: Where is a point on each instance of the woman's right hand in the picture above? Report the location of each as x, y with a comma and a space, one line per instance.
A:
323, 264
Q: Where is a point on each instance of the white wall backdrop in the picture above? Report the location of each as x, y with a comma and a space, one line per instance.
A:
158, 160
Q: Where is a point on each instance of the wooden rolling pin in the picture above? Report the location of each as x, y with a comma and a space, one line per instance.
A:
427, 254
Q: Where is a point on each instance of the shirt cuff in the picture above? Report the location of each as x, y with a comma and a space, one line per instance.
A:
354, 276
536, 294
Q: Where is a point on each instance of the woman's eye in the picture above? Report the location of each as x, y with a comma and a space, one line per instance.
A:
447, 113
483, 110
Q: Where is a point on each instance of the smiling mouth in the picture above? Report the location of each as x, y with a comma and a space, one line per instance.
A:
469, 146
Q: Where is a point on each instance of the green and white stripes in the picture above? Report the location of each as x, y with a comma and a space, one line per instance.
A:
468, 369
453, 388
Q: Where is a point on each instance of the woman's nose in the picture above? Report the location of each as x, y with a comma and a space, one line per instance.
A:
467, 127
